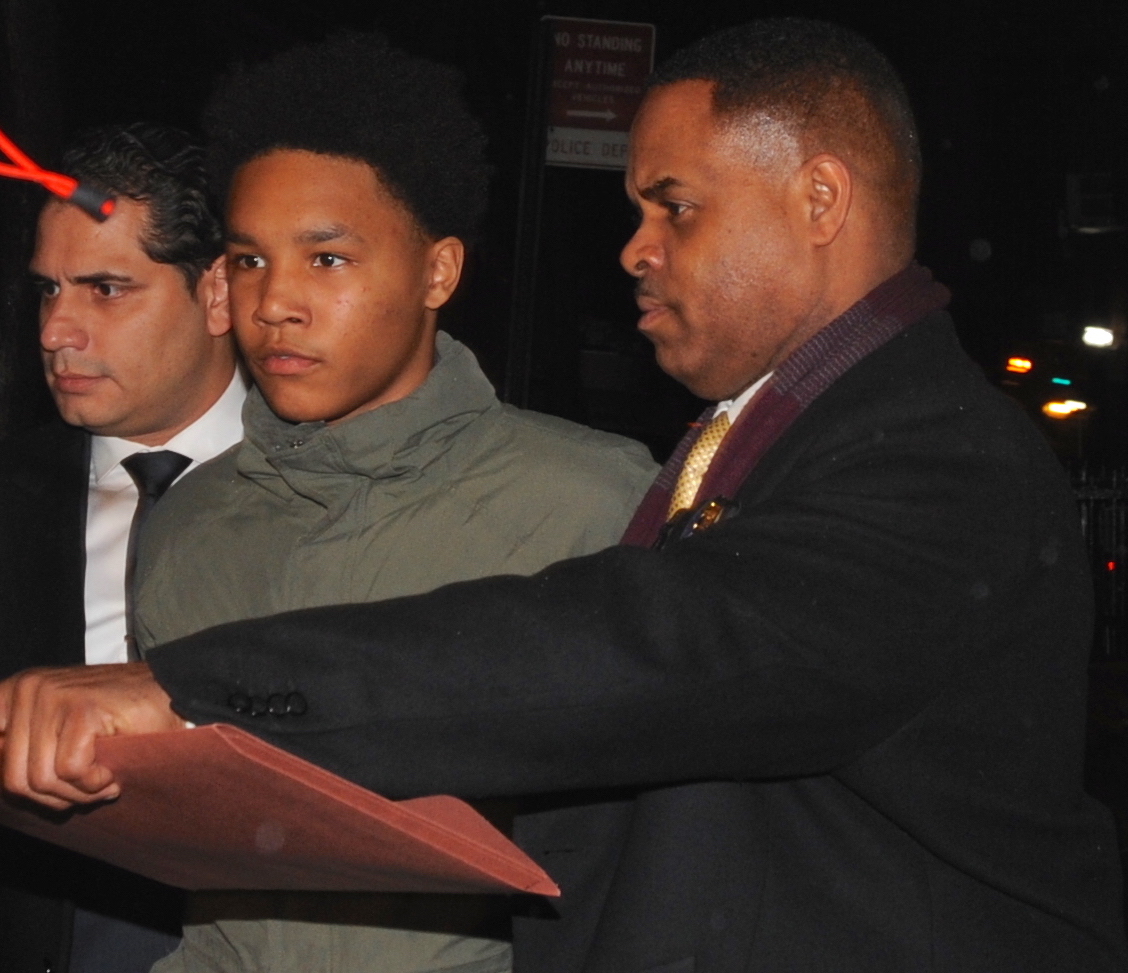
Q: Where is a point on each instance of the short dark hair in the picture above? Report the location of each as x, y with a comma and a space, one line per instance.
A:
355, 96
163, 168
829, 84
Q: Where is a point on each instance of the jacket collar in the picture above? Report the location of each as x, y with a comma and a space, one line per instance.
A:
394, 442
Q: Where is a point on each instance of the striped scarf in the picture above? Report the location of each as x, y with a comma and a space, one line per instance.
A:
805, 374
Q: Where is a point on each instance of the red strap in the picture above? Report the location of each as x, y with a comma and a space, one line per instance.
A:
98, 205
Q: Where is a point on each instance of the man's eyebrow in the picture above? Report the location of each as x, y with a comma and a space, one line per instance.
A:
657, 188
103, 277
336, 231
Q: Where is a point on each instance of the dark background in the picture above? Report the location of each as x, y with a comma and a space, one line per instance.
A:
1023, 111
1013, 101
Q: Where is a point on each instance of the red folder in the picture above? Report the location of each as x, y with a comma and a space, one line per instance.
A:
217, 808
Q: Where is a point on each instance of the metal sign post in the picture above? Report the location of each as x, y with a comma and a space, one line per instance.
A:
587, 79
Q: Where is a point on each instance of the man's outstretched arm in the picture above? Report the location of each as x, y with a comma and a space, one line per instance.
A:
50, 720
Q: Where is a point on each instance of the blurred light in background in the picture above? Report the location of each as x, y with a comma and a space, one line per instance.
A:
1097, 336
1062, 409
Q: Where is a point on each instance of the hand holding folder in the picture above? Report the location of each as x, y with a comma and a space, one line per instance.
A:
217, 808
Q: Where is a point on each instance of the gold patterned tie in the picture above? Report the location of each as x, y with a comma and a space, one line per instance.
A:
697, 462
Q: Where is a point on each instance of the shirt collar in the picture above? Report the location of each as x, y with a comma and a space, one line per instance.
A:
216, 430
735, 406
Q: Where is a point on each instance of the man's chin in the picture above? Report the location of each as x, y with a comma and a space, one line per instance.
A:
681, 371
295, 408
81, 411
705, 384
294, 414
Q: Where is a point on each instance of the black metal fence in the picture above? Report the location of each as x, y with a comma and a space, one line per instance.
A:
1102, 498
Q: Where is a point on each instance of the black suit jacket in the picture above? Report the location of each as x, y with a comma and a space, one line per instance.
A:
43, 485
839, 731
43, 478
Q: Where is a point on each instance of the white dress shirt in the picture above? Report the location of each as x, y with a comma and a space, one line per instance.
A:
112, 501
735, 406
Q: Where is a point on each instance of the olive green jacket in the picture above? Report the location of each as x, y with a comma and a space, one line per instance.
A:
444, 485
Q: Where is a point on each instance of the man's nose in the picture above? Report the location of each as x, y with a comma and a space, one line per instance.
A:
281, 300
642, 253
60, 326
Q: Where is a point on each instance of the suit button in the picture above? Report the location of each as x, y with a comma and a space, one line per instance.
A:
296, 704
240, 702
276, 705
258, 705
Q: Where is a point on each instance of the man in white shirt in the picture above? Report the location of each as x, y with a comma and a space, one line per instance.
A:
134, 331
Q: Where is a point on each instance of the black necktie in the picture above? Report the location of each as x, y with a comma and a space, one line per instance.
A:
153, 473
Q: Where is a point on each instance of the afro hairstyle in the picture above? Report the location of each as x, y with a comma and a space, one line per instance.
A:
357, 97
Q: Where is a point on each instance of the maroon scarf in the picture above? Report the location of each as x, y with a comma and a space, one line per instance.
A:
805, 374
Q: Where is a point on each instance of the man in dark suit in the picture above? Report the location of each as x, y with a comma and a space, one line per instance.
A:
134, 335
823, 709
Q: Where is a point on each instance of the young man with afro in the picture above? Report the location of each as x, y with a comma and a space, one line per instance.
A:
378, 461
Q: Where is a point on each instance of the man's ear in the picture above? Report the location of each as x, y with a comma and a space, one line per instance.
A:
829, 189
445, 271
211, 292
